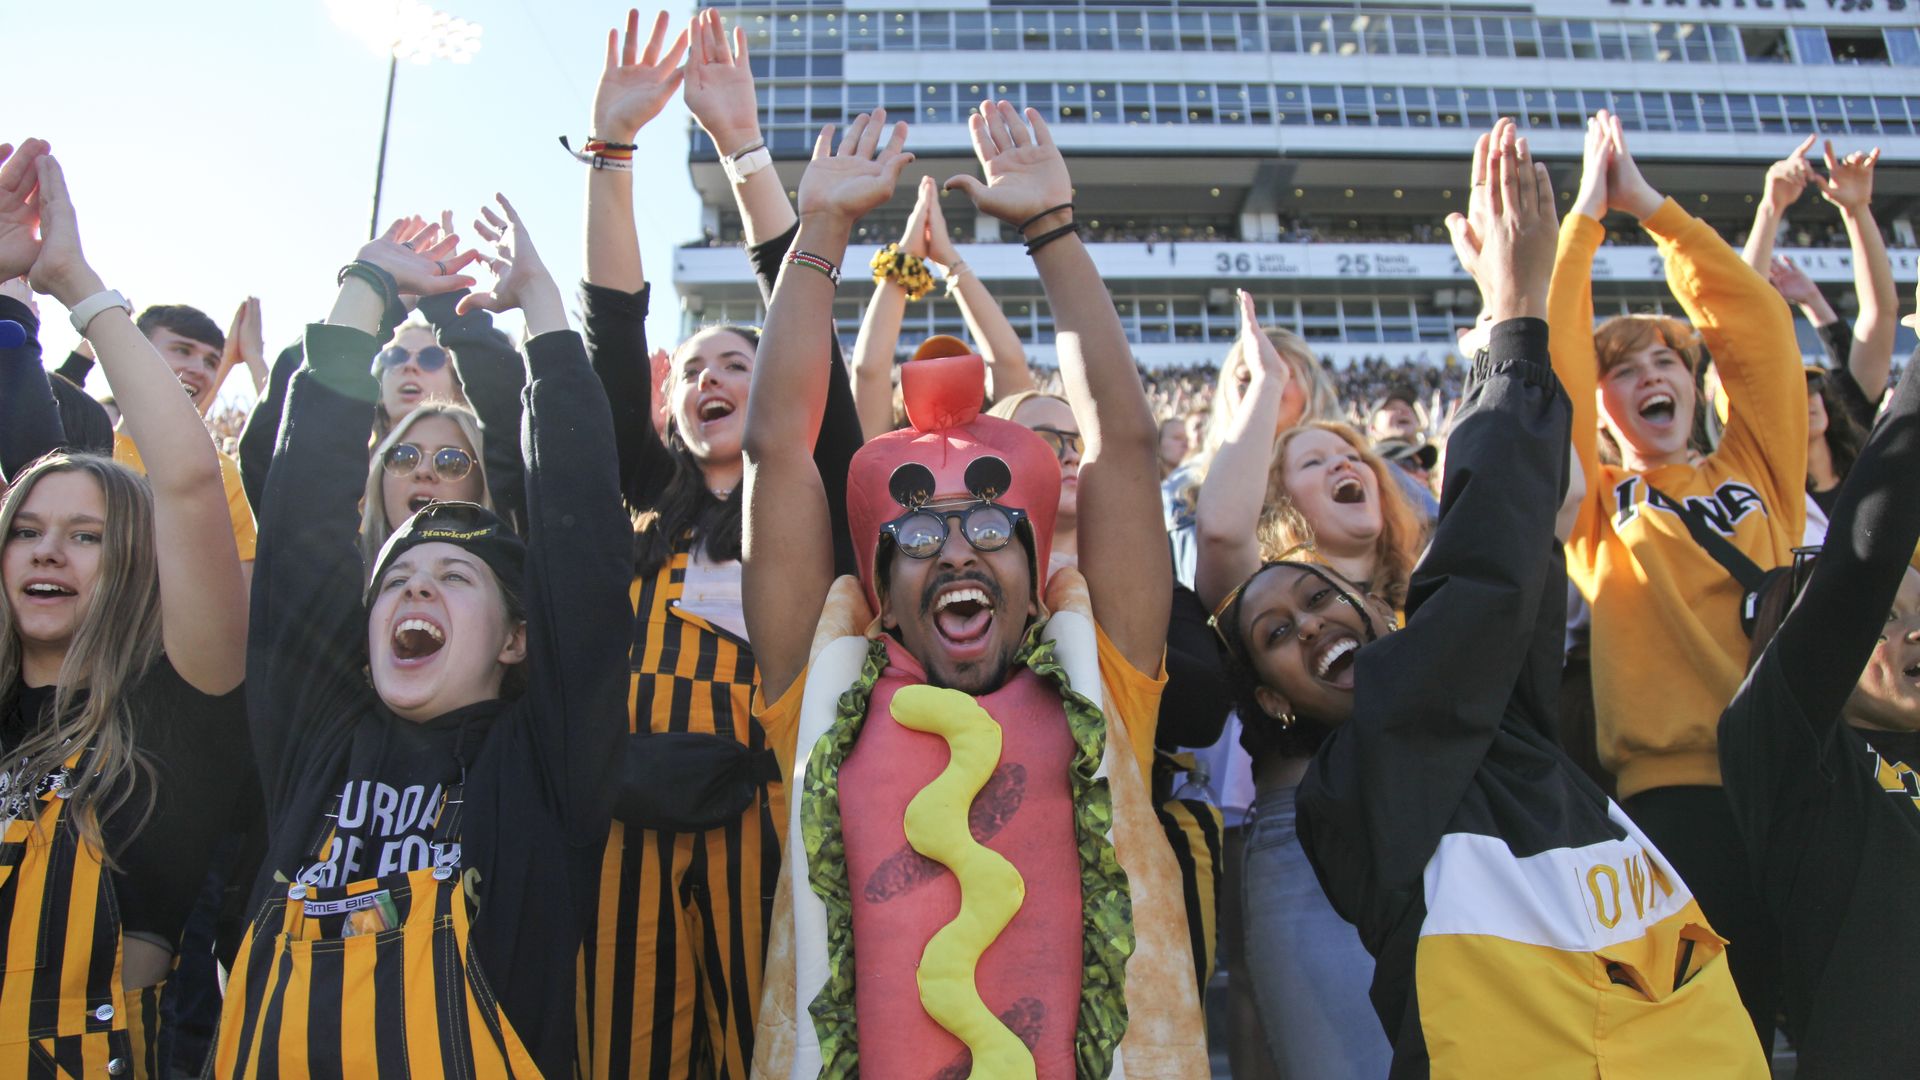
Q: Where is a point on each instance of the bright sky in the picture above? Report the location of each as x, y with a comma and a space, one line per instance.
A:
217, 149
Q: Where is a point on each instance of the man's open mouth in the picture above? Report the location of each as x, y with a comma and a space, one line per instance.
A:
963, 616
1658, 409
416, 639
1349, 490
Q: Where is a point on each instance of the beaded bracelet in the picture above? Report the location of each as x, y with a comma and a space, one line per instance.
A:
907, 270
816, 262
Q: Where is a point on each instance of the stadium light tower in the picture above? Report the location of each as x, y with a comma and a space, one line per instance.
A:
403, 30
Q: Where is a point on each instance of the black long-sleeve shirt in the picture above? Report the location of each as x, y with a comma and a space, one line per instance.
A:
1444, 806
29, 417
539, 769
1829, 814
616, 334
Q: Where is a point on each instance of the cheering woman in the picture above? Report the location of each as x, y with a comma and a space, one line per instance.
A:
434, 834
121, 724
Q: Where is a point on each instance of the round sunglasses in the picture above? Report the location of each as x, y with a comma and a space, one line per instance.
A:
922, 532
429, 358
449, 462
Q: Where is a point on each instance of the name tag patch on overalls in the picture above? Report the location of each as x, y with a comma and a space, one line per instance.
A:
368, 913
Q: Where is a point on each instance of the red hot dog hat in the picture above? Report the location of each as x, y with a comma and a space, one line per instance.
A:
949, 448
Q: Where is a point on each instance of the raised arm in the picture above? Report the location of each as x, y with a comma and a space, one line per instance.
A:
788, 564
879, 338
1848, 185
1124, 558
1786, 182
719, 93
635, 84
1570, 316
579, 541
1227, 517
1461, 665
203, 607
993, 335
1796, 288
307, 639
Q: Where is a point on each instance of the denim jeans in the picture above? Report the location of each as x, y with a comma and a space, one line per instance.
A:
1310, 972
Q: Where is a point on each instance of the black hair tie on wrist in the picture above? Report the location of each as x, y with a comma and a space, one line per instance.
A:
1044, 239
1027, 224
393, 312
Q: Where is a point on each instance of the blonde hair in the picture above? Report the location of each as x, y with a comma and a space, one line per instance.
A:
1323, 399
374, 526
116, 640
1283, 527
1007, 406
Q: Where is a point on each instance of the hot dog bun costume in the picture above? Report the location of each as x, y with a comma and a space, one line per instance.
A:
975, 885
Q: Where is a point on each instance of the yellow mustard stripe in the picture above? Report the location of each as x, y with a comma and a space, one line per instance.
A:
991, 890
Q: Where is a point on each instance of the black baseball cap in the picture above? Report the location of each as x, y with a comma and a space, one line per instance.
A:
464, 525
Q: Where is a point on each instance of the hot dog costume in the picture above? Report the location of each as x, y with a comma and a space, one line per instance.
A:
973, 885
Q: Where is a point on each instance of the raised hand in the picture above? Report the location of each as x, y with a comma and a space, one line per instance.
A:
1849, 181
60, 269
940, 247
846, 184
521, 280
913, 239
1508, 243
246, 342
1793, 282
423, 262
1596, 159
19, 211
1026, 176
1265, 362
719, 84
1787, 178
633, 89
1626, 189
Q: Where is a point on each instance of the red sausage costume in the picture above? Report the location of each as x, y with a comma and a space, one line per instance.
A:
973, 885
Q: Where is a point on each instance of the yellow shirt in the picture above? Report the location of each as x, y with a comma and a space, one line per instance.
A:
238, 508
1668, 651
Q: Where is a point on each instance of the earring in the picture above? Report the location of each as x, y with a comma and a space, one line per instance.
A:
1286, 720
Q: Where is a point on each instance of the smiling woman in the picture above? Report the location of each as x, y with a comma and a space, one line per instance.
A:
434, 454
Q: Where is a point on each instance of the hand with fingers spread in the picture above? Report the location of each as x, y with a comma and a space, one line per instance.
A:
1848, 184
521, 279
1787, 178
1508, 243
636, 83
1596, 159
1793, 282
1626, 189
1026, 176
841, 186
423, 260
19, 210
939, 238
719, 84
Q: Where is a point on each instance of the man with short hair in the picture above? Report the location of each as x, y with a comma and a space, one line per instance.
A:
981, 693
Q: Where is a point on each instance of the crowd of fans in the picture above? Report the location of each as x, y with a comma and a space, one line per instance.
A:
571, 707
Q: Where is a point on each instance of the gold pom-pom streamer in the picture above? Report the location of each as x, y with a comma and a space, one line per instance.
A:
903, 269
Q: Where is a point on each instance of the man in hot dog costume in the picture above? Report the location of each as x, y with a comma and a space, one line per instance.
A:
975, 883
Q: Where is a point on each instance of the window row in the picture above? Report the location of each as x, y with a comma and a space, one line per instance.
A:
792, 112
1345, 32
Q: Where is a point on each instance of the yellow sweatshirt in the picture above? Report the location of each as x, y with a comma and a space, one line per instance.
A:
1668, 651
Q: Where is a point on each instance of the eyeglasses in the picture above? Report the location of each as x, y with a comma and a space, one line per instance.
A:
1061, 441
449, 462
429, 358
922, 532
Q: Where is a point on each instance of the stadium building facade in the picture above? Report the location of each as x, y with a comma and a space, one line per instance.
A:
1309, 151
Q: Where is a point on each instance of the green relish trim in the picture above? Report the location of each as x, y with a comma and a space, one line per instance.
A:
1106, 905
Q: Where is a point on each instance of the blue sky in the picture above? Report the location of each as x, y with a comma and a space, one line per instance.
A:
218, 148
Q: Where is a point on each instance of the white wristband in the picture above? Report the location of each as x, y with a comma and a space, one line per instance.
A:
87, 310
741, 166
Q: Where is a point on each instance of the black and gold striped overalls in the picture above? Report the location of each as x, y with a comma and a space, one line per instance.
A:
672, 981
403, 997
63, 1012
